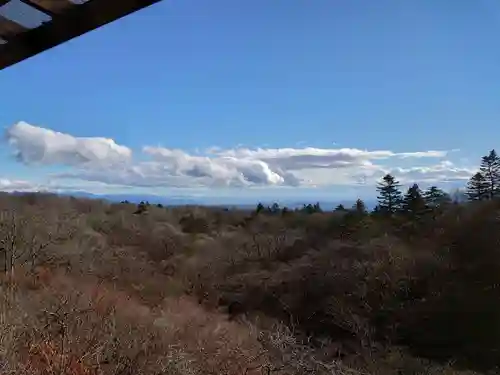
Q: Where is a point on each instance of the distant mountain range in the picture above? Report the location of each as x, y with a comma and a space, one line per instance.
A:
136, 198
210, 201
226, 201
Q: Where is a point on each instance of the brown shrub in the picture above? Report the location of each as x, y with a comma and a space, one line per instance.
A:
460, 316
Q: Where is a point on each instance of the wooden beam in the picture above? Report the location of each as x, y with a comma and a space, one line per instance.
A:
10, 29
68, 25
51, 7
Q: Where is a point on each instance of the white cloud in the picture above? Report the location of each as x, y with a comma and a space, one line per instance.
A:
17, 185
288, 167
101, 160
221, 170
309, 158
445, 171
35, 145
424, 154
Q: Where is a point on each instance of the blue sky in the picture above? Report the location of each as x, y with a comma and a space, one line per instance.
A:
259, 97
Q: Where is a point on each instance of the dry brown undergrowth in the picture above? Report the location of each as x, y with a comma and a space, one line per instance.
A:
94, 288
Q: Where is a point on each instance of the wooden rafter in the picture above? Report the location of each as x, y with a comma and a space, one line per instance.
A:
49, 7
9, 29
67, 22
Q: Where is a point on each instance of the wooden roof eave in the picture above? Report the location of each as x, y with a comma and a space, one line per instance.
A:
73, 22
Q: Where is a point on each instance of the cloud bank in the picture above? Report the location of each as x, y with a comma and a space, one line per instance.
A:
102, 160
35, 145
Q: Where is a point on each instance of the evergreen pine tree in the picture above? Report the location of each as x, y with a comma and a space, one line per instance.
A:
260, 208
308, 209
435, 197
340, 207
390, 197
477, 188
490, 169
317, 207
359, 207
413, 202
